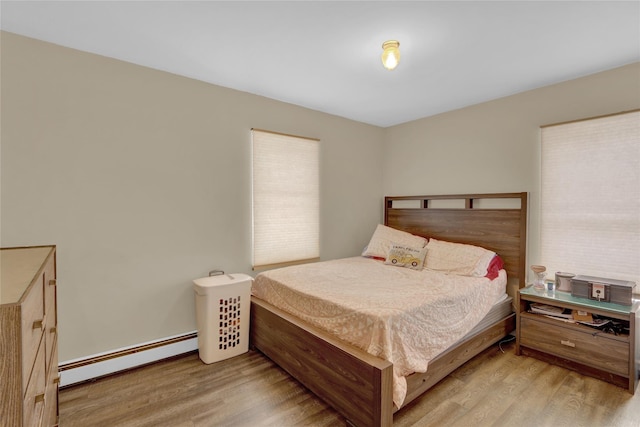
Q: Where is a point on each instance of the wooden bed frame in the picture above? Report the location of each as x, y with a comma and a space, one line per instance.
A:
359, 385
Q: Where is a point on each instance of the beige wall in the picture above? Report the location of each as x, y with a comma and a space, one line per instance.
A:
495, 146
142, 179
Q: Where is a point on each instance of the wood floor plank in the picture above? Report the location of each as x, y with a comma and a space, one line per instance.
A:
494, 389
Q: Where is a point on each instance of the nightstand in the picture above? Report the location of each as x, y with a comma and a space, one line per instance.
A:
604, 355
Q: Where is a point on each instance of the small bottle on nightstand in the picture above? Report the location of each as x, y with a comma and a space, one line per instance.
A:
550, 288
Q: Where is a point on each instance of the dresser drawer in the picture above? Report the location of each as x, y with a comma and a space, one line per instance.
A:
52, 357
34, 398
51, 346
589, 348
33, 324
51, 316
50, 417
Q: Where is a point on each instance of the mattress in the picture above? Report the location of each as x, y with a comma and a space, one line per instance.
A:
405, 316
499, 310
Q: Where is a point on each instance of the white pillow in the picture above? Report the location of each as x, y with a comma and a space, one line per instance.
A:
385, 237
405, 256
458, 258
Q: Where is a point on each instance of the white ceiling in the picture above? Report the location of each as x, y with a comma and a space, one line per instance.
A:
325, 55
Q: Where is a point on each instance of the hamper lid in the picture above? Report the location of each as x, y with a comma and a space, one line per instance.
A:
221, 280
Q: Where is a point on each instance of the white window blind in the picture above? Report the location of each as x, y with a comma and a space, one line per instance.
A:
286, 198
590, 197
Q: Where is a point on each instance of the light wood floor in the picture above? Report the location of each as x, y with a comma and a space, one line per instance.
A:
494, 389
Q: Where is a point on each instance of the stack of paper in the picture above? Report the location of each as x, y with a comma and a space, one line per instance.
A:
551, 310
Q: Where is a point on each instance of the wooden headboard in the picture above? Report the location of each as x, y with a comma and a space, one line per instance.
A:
497, 222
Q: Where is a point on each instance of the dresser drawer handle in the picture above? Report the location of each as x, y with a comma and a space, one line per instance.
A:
52, 282
38, 324
39, 398
567, 343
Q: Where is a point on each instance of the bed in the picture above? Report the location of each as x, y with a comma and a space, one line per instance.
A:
360, 385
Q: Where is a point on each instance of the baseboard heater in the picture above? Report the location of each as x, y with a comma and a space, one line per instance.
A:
107, 363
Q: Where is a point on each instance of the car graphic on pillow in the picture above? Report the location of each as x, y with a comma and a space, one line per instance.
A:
406, 260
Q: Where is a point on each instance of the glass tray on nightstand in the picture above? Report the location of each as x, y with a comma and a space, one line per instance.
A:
566, 297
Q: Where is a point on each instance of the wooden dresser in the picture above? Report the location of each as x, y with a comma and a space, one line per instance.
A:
28, 337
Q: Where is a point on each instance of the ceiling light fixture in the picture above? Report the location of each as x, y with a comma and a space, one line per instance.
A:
390, 54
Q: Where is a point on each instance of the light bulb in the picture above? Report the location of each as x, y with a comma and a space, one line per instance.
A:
390, 54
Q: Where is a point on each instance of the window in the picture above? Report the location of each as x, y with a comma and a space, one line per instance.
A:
286, 198
590, 197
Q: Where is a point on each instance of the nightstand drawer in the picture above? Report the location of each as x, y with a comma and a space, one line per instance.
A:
589, 348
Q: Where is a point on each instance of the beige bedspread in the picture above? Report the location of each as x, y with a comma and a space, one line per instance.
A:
405, 316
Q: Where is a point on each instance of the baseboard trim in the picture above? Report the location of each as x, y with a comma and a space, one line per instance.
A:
107, 363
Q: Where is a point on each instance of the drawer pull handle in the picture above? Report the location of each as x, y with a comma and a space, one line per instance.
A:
38, 324
567, 343
52, 282
39, 398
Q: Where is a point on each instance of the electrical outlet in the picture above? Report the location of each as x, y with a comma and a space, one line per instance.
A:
597, 291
